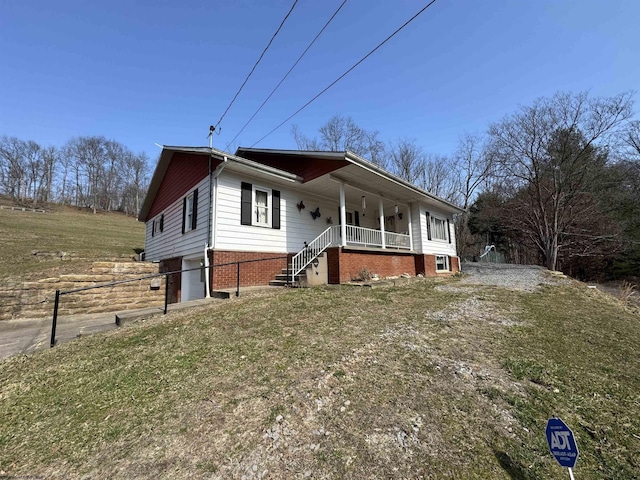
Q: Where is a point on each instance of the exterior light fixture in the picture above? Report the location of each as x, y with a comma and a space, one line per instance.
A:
364, 203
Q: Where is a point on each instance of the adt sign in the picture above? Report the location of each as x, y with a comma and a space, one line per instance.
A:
561, 443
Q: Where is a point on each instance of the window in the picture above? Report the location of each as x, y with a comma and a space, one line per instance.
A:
157, 226
261, 204
189, 211
439, 228
442, 263
188, 216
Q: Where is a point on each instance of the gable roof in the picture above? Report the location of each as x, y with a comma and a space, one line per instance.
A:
320, 171
355, 171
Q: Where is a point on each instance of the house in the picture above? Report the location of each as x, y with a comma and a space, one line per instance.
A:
285, 213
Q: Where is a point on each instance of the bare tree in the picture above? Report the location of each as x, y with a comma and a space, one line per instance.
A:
13, 168
631, 138
408, 161
341, 134
439, 177
548, 155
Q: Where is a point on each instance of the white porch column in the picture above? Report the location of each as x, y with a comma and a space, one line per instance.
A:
381, 208
410, 228
343, 217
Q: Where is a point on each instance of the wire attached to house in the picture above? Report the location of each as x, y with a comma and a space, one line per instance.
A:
287, 74
347, 72
257, 62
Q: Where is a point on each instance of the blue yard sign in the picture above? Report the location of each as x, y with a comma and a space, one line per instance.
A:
562, 444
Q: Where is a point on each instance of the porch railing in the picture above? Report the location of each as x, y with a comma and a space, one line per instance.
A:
366, 237
397, 240
359, 236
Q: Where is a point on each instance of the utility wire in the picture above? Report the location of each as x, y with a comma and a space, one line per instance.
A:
287, 74
347, 72
257, 62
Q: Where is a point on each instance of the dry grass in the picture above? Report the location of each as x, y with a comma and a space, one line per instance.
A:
84, 238
628, 291
420, 381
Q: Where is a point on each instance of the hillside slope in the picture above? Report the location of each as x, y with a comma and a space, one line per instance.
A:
37, 245
432, 380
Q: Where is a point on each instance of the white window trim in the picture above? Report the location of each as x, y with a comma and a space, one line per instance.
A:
446, 263
254, 206
188, 214
432, 227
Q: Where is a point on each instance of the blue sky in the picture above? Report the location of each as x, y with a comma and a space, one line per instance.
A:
162, 71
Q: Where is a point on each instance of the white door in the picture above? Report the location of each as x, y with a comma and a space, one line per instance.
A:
193, 280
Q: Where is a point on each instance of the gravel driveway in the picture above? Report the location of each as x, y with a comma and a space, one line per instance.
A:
519, 277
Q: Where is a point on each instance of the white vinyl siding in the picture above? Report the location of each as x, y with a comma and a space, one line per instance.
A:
171, 242
296, 227
434, 246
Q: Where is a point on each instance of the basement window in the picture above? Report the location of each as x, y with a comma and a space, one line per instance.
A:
442, 263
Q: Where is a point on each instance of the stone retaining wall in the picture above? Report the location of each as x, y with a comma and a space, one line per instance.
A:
36, 299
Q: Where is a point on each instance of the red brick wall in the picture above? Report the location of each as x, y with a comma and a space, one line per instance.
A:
175, 280
251, 274
346, 265
455, 264
426, 264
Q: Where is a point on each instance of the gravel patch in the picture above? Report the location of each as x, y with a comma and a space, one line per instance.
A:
517, 277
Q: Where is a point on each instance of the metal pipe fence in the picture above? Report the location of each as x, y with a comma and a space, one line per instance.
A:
60, 293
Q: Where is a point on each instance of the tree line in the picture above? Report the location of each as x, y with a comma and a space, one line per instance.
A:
556, 183
89, 172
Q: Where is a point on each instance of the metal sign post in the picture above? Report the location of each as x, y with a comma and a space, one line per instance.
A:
562, 444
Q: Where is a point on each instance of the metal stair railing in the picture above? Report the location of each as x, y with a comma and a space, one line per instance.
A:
311, 251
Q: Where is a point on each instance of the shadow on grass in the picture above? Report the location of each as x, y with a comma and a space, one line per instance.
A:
515, 469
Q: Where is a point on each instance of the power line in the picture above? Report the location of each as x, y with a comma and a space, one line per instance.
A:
257, 62
347, 72
287, 74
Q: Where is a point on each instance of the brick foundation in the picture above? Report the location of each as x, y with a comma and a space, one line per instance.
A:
251, 273
345, 264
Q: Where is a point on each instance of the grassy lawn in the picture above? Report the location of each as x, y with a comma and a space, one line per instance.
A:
83, 236
430, 380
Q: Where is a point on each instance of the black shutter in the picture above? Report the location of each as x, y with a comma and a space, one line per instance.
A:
194, 216
448, 231
428, 226
184, 212
356, 218
275, 218
153, 229
245, 203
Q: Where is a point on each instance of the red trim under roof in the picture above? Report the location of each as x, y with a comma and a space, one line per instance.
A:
184, 172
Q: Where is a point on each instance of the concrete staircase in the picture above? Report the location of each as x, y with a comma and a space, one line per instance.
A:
300, 280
